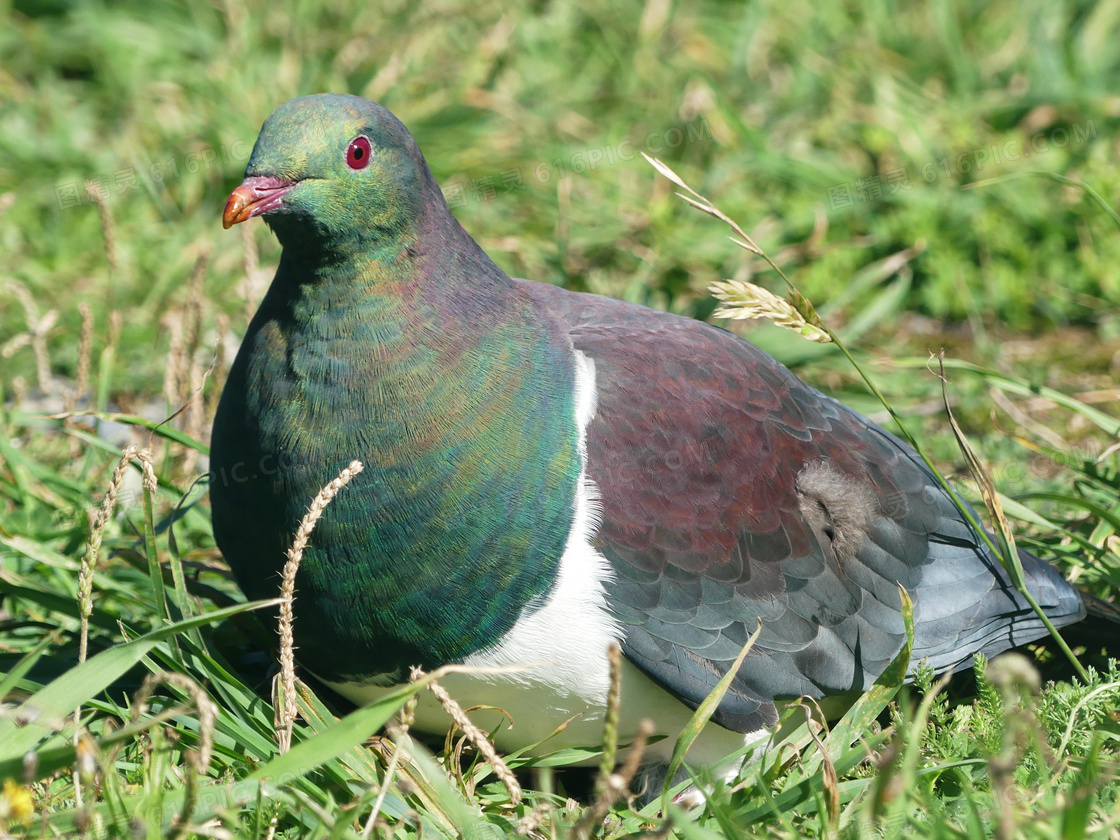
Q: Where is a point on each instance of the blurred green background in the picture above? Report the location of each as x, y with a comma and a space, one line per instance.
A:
853, 140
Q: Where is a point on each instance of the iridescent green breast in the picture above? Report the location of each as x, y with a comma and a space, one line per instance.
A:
460, 406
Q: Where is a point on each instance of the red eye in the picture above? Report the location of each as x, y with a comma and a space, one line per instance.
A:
357, 155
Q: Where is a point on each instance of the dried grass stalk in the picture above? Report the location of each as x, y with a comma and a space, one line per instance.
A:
399, 732
614, 703
616, 785
93, 546
26, 302
286, 722
36, 335
98, 521
107, 227
175, 371
193, 316
701, 203
148, 467
476, 736
14, 344
116, 321
533, 820
85, 349
200, 760
196, 406
39, 346
743, 300
207, 711
19, 390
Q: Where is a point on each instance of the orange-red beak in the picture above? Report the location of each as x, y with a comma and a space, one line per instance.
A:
258, 194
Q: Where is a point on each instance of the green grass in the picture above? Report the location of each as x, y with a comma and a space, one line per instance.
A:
531, 119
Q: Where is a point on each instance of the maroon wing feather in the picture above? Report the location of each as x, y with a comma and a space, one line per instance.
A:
732, 491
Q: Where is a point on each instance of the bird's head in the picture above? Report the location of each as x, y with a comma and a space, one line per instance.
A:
330, 169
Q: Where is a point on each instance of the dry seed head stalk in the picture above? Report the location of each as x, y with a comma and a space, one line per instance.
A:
98, 521
207, 710
107, 228
705, 205
475, 735
26, 301
36, 334
193, 315
742, 300
288, 594
93, 546
14, 344
746, 300
407, 715
533, 820
633, 761
19, 390
147, 465
174, 372
85, 348
610, 723
828, 770
398, 732
616, 785
196, 405
39, 345
116, 320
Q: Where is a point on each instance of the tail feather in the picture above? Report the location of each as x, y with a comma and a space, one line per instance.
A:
1101, 612
1063, 602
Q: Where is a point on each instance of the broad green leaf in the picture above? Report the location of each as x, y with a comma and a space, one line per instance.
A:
59, 699
12, 678
304, 758
54, 758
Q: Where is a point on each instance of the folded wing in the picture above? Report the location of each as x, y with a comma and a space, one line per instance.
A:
733, 492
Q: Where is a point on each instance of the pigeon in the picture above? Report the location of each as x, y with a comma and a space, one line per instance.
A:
550, 473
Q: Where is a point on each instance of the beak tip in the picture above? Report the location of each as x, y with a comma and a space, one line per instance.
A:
257, 195
233, 211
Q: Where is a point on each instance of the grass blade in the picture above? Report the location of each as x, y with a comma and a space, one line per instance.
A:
701, 717
79, 684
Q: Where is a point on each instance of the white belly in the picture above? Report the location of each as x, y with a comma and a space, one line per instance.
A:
538, 711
